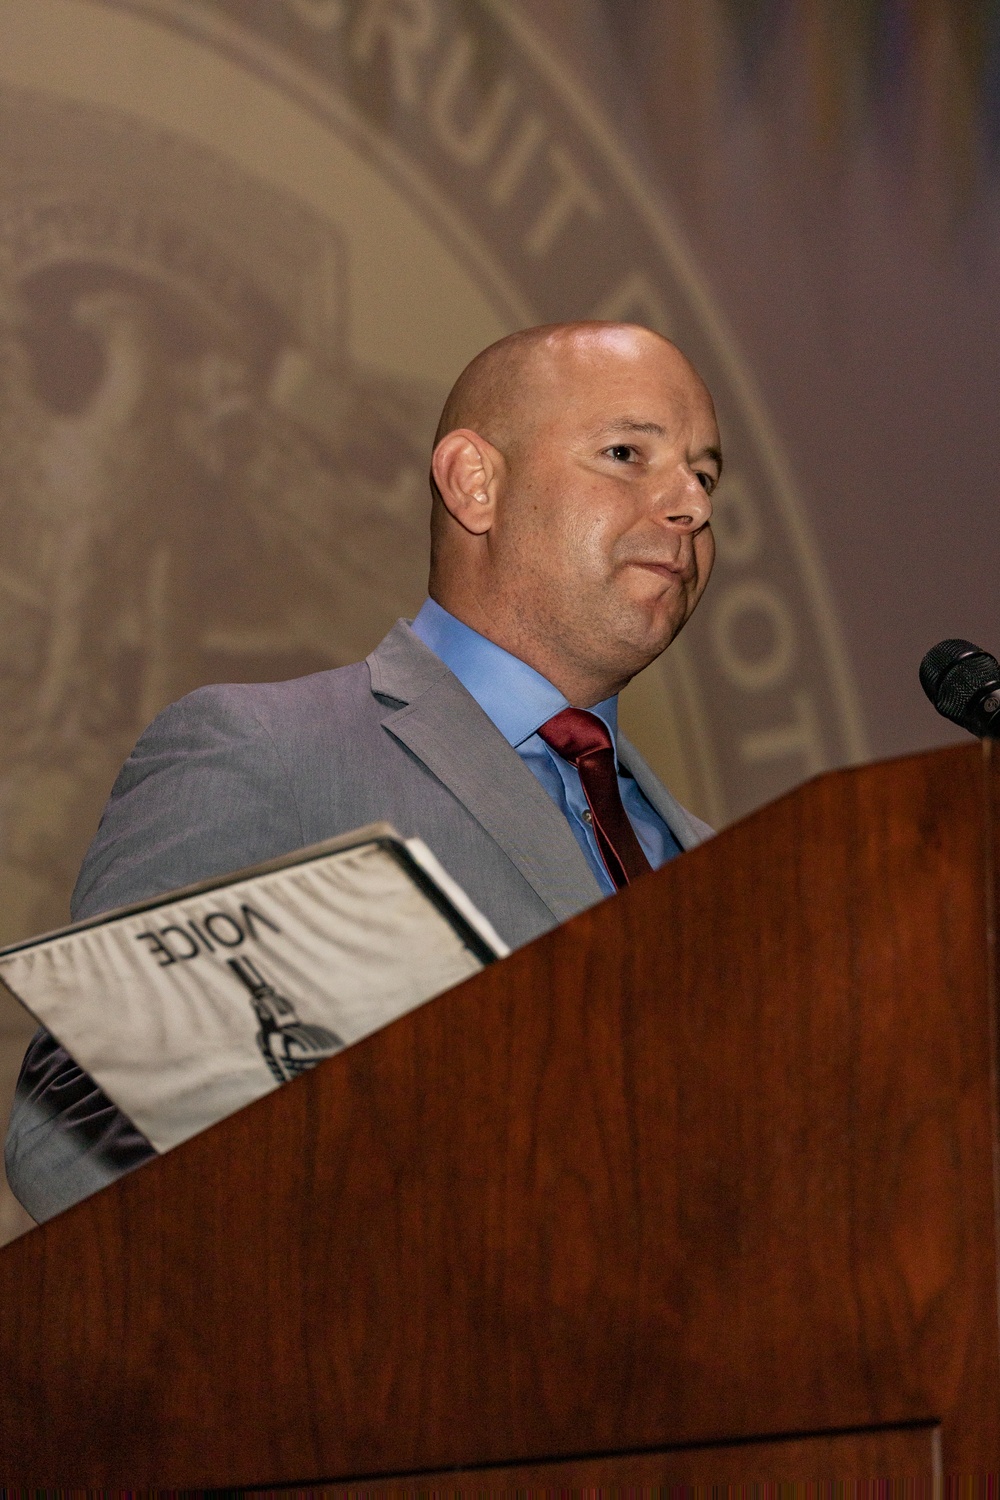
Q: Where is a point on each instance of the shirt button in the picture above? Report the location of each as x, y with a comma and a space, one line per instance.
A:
587, 815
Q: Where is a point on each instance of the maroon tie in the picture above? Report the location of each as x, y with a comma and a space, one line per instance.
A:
584, 740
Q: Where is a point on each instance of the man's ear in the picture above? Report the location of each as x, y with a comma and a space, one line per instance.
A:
467, 470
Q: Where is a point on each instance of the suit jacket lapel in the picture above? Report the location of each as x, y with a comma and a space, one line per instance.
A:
444, 727
677, 819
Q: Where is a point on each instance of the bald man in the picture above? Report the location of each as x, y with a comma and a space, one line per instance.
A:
572, 478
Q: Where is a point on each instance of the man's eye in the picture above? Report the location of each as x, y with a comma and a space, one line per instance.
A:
621, 452
707, 482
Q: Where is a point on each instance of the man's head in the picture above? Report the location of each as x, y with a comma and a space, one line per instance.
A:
572, 472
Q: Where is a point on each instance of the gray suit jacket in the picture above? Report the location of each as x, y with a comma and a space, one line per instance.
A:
233, 775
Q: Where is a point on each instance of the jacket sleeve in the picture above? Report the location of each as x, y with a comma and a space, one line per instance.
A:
204, 792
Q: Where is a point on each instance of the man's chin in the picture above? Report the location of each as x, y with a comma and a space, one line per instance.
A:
639, 651
657, 630
634, 634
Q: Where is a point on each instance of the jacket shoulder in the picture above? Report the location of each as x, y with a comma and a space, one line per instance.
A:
213, 784
277, 708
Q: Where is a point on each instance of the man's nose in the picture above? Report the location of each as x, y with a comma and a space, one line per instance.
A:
686, 505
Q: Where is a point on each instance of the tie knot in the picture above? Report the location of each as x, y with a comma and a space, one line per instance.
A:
574, 734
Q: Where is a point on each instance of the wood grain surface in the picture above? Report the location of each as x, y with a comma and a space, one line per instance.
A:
711, 1162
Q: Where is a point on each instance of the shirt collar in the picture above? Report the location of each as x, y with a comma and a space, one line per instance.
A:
516, 697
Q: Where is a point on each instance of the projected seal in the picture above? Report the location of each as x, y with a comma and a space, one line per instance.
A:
243, 252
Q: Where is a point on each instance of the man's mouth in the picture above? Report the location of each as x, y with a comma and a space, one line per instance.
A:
682, 571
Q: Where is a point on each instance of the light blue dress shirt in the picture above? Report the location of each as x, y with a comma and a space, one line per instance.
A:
519, 700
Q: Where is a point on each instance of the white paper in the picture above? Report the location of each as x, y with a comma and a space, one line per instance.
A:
157, 1004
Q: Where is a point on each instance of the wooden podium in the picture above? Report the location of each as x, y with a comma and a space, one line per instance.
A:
700, 1187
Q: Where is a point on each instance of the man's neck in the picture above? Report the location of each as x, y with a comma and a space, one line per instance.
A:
579, 686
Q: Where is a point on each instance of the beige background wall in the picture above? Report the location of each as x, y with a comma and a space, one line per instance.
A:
245, 248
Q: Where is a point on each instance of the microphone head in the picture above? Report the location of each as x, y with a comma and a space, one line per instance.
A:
963, 683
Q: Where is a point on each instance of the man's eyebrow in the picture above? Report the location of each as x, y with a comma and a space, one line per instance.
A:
630, 424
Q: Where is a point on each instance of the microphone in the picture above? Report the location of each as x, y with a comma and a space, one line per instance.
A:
963, 683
